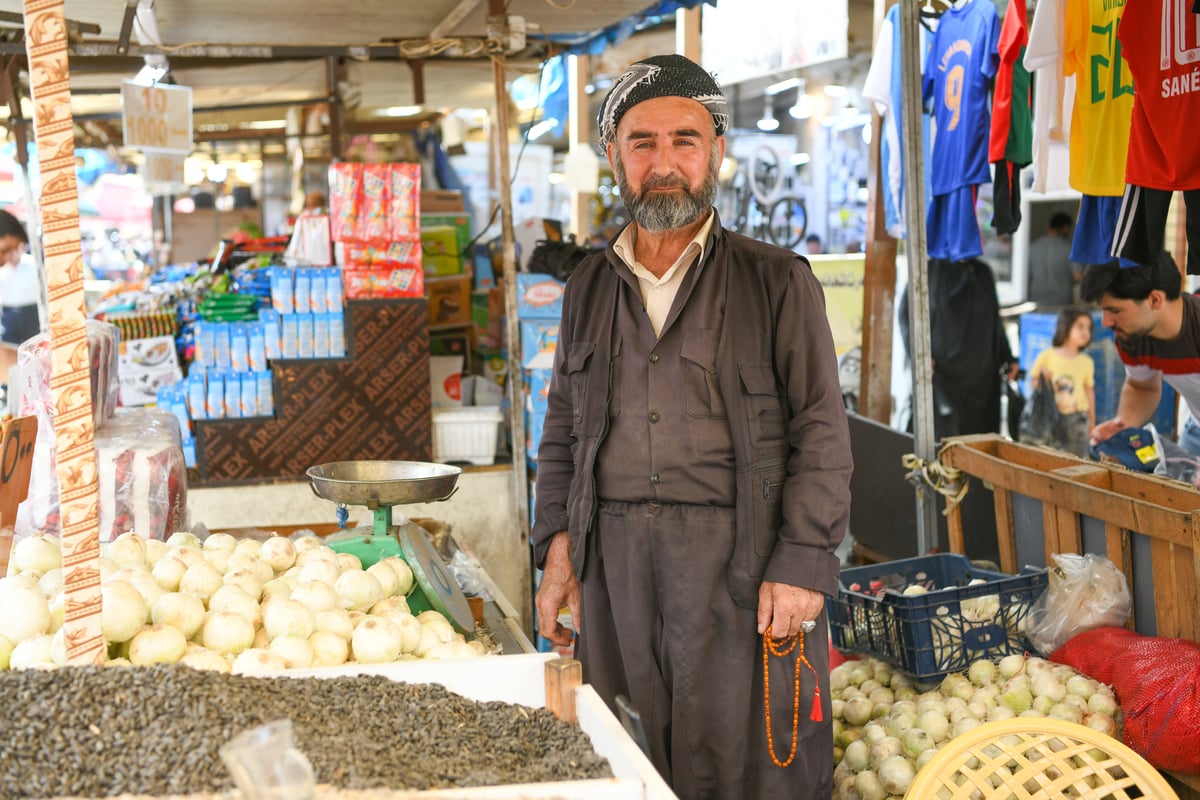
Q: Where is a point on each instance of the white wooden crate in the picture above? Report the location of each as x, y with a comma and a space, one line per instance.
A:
521, 679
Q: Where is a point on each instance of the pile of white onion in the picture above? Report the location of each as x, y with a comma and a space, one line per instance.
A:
886, 726
227, 604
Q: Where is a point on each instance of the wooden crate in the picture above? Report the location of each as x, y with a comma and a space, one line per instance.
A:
1148, 526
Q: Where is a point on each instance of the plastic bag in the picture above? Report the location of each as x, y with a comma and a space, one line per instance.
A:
1085, 592
1039, 417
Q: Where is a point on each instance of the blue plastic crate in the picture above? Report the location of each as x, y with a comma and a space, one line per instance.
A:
932, 634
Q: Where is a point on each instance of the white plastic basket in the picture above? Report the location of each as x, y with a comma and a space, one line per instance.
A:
466, 434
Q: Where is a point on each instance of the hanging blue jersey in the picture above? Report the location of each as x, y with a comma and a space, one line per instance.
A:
958, 77
884, 85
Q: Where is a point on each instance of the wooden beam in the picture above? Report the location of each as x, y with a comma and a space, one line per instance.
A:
579, 133
454, 19
417, 65
131, 9
879, 295
687, 33
332, 77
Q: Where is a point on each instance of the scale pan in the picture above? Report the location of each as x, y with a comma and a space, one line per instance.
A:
377, 484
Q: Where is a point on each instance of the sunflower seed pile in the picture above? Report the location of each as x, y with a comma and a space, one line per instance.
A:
107, 731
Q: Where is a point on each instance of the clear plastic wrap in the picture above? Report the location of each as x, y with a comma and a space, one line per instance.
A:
34, 360
142, 478
1085, 592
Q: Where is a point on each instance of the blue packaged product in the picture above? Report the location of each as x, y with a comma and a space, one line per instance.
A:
249, 398
333, 290
272, 334
239, 347
320, 335
258, 346
304, 335
195, 393
205, 344
233, 395
316, 290
282, 290
303, 298
291, 345
337, 335
215, 401
189, 453
221, 356
266, 393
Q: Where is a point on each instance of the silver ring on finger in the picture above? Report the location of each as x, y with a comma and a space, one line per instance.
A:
808, 626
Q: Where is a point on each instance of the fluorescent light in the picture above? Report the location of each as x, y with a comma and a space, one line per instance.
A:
398, 111
149, 75
556, 177
782, 86
262, 124
800, 159
804, 106
541, 128
835, 90
768, 121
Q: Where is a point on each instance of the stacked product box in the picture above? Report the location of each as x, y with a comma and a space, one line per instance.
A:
539, 309
374, 221
230, 376
307, 316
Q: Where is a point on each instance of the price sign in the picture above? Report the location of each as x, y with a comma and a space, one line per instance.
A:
163, 172
16, 461
157, 117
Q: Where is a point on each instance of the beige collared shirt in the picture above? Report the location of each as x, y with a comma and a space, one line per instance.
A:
659, 293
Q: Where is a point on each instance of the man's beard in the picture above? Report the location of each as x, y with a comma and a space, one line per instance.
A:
660, 211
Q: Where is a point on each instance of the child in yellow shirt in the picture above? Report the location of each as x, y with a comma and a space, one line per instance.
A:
1071, 373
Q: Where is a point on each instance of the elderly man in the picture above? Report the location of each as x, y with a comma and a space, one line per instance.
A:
693, 478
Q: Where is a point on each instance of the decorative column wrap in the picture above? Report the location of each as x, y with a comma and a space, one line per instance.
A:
70, 377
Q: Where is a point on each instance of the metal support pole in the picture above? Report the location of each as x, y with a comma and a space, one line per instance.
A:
918, 276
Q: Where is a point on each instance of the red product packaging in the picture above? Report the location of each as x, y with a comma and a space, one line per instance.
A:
345, 185
405, 217
373, 209
367, 283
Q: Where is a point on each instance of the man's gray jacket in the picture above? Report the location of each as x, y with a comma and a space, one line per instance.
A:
776, 369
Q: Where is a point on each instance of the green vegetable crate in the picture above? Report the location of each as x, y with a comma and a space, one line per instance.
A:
933, 615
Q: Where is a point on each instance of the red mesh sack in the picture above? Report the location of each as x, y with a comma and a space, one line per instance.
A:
1157, 683
1095, 652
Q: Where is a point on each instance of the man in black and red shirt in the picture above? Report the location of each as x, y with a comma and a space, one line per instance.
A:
1157, 332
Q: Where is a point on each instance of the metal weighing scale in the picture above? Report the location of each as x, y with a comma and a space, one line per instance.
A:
380, 485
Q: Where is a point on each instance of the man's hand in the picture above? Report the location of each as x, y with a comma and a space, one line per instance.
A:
559, 587
784, 607
1106, 430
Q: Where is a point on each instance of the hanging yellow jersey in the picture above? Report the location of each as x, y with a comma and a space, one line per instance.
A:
1103, 96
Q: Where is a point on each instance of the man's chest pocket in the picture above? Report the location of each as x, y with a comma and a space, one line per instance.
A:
702, 393
578, 360
763, 406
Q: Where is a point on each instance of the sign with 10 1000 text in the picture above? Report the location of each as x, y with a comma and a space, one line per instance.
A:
157, 117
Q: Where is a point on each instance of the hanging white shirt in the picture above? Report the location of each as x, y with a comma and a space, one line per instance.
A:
658, 294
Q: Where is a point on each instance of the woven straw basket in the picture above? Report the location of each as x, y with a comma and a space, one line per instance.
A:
1035, 758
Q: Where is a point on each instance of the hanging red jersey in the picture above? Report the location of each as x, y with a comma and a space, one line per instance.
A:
1160, 40
1012, 118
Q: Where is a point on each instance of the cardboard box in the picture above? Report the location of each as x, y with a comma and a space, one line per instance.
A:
539, 337
440, 251
454, 342
462, 229
487, 312
539, 296
538, 381
449, 300
493, 364
441, 201
445, 381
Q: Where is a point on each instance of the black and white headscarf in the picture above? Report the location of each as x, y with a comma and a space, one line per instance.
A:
661, 76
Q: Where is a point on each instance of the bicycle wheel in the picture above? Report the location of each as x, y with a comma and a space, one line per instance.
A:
788, 221
766, 175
